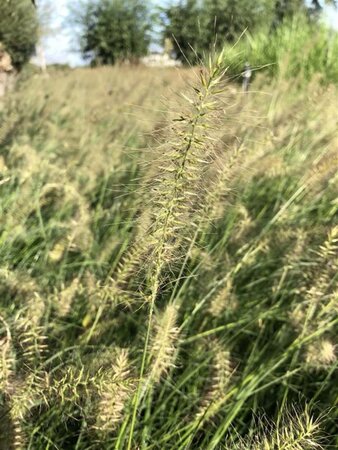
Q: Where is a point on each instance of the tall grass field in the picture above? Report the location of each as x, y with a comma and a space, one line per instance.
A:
168, 259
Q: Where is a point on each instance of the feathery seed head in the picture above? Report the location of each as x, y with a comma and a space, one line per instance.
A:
164, 342
220, 377
66, 297
6, 356
225, 300
321, 354
115, 390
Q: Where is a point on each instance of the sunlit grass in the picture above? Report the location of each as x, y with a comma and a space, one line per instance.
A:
168, 270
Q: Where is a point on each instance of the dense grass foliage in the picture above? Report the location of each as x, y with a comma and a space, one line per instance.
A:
168, 262
297, 49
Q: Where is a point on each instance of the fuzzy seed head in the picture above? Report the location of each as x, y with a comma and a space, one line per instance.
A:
115, 391
164, 342
220, 377
321, 354
66, 297
225, 300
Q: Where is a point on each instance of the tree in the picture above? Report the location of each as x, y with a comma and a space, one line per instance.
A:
113, 30
186, 25
196, 25
227, 19
285, 9
18, 29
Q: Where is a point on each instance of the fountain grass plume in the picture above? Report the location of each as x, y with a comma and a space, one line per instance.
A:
176, 189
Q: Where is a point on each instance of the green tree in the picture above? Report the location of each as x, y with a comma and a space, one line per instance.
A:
196, 25
113, 30
285, 9
19, 30
227, 19
186, 25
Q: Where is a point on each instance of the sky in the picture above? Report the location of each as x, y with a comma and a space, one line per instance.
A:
60, 44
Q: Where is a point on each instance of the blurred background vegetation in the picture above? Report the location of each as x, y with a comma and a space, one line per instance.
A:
111, 31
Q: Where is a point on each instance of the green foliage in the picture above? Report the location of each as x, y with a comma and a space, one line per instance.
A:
18, 29
168, 280
196, 27
185, 24
297, 49
228, 19
113, 30
284, 9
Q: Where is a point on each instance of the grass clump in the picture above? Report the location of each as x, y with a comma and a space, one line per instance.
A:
294, 50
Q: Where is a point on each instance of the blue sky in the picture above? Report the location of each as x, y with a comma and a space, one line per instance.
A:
60, 44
